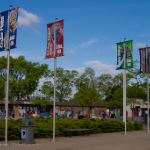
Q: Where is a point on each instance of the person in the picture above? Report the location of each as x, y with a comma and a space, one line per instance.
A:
71, 114
46, 115
65, 114
30, 113
112, 115
103, 114
145, 117
127, 114
118, 114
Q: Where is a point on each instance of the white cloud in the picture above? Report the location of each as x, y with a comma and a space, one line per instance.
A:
16, 53
102, 67
27, 18
80, 70
139, 45
89, 42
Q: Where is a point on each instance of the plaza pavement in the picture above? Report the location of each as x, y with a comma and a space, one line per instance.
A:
136, 140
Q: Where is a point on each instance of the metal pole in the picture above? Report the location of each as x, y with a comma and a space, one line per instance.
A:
6, 98
147, 104
54, 102
124, 92
7, 82
147, 97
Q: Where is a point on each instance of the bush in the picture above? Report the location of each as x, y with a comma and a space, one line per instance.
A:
44, 127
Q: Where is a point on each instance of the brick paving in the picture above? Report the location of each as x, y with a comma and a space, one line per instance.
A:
137, 140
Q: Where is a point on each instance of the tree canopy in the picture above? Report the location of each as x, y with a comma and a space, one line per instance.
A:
85, 88
24, 77
64, 83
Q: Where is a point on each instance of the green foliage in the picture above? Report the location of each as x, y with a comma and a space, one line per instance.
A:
86, 80
105, 83
43, 127
88, 89
24, 77
87, 96
64, 82
41, 102
13, 129
2, 87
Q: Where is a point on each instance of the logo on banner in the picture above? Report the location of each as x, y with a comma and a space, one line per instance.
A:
8, 19
13, 17
120, 54
55, 47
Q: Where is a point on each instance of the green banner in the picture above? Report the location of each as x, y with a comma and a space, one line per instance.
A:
127, 46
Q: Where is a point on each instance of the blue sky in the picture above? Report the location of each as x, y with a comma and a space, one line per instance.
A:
91, 29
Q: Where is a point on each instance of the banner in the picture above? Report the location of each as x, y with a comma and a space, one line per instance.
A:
144, 60
8, 28
13, 19
120, 54
55, 39
3, 30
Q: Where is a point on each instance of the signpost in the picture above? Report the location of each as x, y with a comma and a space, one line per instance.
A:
145, 68
124, 61
8, 31
55, 48
147, 104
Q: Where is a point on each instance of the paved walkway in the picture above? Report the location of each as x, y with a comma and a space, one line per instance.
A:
138, 140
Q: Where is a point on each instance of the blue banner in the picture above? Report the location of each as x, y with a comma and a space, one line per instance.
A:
3, 30
8, 29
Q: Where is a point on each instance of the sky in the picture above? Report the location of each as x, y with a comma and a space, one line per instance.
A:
91, 30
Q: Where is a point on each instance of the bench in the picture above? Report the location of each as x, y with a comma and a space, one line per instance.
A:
71, 132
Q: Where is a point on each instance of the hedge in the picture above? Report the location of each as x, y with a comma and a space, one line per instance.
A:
44, 129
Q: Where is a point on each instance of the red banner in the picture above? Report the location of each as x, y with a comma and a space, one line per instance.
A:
55, 39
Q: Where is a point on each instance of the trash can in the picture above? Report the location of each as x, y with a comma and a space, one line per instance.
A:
27, 134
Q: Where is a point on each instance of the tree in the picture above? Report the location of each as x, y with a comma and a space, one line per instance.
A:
24, 76
87, 97
47, 89
65, 80
43, 103
105, 84
137, 84
114, 86
132, 102
2, 88
87, 79
111, 90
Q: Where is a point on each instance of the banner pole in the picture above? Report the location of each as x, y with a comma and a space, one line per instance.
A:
124, 92
147, 104
6, 98
147, 100
7, 82
54, 102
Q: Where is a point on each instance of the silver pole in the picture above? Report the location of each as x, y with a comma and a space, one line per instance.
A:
54, 102
6, 98
124, 92
7, 83
147, 99
147, 104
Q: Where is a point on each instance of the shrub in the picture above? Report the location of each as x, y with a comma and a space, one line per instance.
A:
44, 127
